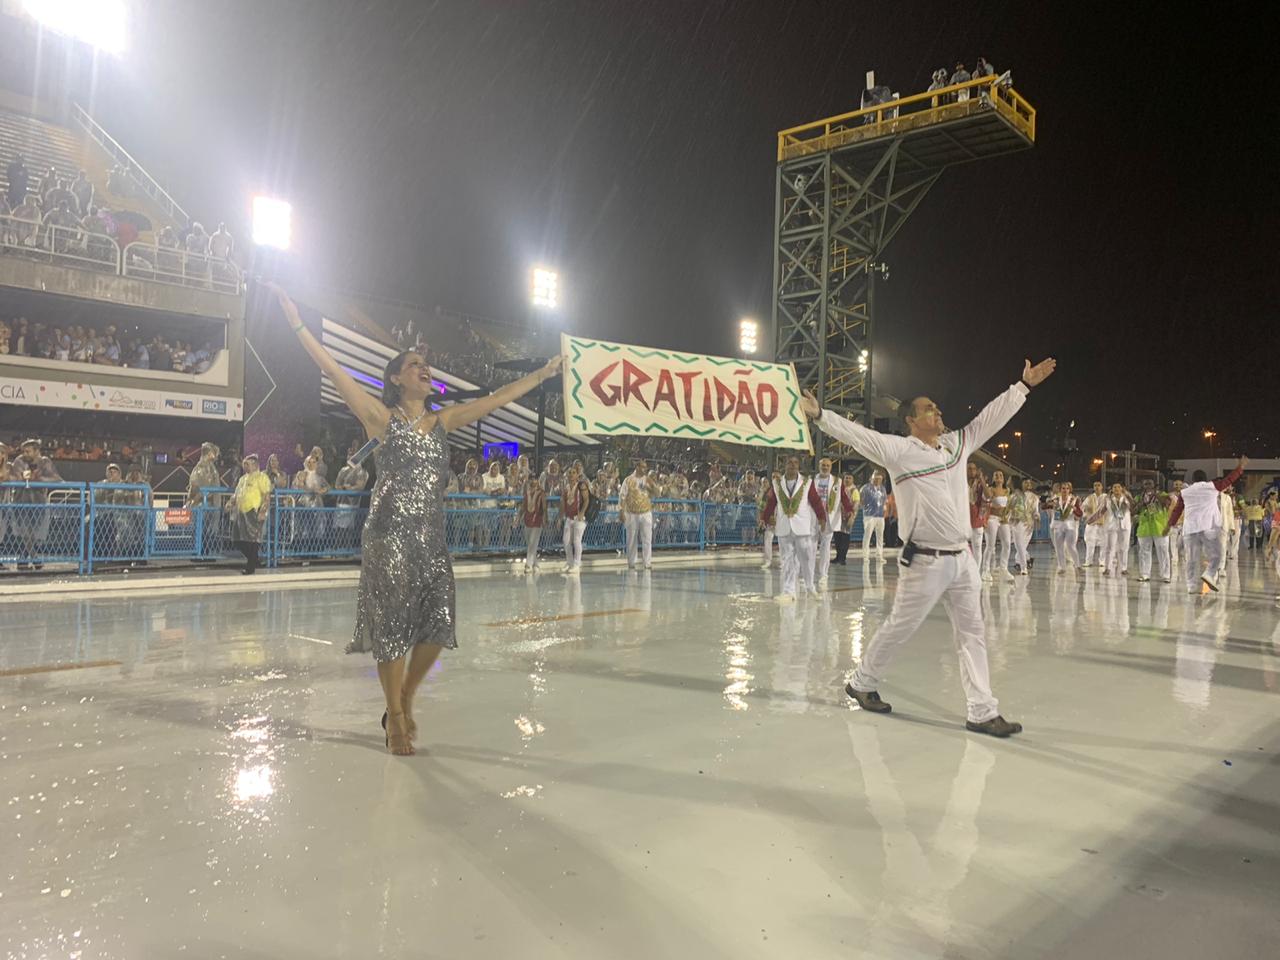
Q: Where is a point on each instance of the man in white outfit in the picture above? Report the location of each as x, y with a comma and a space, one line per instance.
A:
872, 497
796, 509
1230, 529
1095, 519
1024, 518
1064, 526
936, 564
767, 531
1175, 531
637, 515
1198, 506
837, 505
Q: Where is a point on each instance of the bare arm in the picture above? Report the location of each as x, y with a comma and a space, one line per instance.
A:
454, 417
372, 414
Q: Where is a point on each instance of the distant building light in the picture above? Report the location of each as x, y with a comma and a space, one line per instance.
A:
99, 23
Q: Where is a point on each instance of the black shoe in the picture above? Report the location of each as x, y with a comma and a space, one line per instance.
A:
387, 736
997, 726
1031, 562
868, 701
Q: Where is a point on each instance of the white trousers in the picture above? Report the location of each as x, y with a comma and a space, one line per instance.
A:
766, 545
797, 562
1175, 545
872, 526
1004, 544
956, 582
1230, 541
639, 537
1161, 547
977, 537
1021, 534
1207, 546
1064, 537
573, 531
1115, 556
989, 544
531, 537
1095, 539
824, 553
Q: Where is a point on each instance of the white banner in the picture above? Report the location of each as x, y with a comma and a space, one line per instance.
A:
618, 388
83, 395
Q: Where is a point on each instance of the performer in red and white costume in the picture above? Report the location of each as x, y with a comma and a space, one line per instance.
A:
937, 563
799, 515
838, 506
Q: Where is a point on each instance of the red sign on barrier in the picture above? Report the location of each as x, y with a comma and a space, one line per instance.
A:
177, 518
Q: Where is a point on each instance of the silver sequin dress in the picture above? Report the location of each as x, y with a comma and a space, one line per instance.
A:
406, 580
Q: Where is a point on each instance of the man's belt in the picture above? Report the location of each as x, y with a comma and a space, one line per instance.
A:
931, 552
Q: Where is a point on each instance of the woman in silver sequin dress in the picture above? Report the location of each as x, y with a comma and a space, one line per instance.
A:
406, 612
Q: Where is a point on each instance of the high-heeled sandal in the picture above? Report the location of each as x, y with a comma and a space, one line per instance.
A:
407, 750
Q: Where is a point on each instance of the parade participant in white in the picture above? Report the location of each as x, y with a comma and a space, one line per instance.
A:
767, 530
1064, 528
637, 515
872, 497
996, 546
1094, 509
1024, 516
1230, 530
1175, 530
1119, 525
933, 502
1202, 529
1153, 519
837, 505
796, 508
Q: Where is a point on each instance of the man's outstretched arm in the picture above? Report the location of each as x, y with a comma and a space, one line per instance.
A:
873, 445
1001, 410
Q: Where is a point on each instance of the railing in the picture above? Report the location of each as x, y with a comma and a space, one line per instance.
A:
920, 109
86, 526
178, 267
144, 180
74, 246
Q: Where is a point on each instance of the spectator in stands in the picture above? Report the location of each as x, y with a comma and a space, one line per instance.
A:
20, 340
198, 361
140, 356
983, 69
279, 479
161, 357
59, 195
179, 355
196, 264
551, 480
939, 81
168, 257
221, 244
31, 527
18, 178
47, 182
204, 475
109, 354
62, 351
350, 479
28, 231
82, 189
98, 236
8, 232
961, 75
62, 226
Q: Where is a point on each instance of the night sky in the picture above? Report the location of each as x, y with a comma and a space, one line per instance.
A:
433, 151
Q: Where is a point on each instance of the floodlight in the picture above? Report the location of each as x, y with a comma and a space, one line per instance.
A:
544, 288
99, 23
748, 335
272, 225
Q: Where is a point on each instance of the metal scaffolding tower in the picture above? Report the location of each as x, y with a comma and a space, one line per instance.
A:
845, 187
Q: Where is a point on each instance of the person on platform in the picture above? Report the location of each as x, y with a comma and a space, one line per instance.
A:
82, 189
960, 75
27, 231
248, 506
1153, 523
533, 515
849, 495
793, 502
406, 607
871, 498
936, 563
768, 528
1064, 526
836, 506
635, 500
574, 500
1118, 530
1094, 511
1024, 518
1202, 533
17, 179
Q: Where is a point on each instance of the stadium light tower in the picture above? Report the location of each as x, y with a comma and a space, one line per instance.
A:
748, 335
272, 222
544, 288
99, 23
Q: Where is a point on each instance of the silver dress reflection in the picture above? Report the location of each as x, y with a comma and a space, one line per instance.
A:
406, 580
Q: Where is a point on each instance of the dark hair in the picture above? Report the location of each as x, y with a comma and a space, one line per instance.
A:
907, 408
1199, 477
391, 391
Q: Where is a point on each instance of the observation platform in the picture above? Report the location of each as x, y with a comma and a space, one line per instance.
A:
939, 128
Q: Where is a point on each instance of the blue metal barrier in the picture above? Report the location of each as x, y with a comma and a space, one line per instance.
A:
119, 523
43, 523
300, 528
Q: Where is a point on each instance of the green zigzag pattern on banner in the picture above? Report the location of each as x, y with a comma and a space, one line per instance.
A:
581, 420
574, 392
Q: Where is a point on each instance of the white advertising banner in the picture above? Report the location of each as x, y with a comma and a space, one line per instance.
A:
83, 395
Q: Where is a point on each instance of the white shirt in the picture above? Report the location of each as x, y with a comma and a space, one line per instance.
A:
1201, 509
805, 522
835, 516
929, 484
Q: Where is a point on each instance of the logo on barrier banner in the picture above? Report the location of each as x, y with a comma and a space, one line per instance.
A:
173, 404
11, 391
122, 400
217, 408
177, 518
